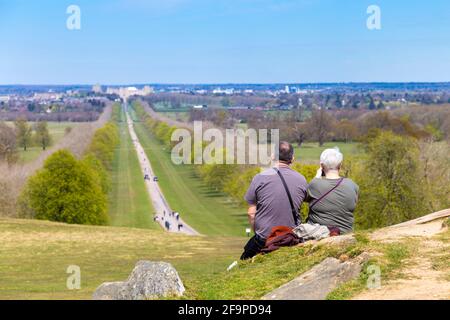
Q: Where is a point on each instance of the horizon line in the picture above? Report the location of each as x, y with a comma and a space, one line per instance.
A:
227, 83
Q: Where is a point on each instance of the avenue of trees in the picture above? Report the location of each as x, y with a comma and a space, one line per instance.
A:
74, 190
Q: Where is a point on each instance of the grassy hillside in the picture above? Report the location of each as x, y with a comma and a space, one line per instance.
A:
207, 211
34, 257
129, 204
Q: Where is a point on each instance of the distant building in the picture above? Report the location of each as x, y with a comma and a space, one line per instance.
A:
287, 89
147, 90
202, 106
126, 92
4, 98
97, 88
47, 96
219, 91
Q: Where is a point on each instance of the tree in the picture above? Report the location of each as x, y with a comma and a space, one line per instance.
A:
380, 105
320, 124
238, 184
226, 102
299, 132
391, 189
372, 105
7, 143
24, 133
65, 190
43, 137
346, 131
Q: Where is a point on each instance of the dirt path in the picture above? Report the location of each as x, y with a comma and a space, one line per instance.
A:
422, 280
164, 214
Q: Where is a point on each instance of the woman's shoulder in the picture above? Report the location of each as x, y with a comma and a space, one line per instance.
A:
322, 182
351, 183
318, 182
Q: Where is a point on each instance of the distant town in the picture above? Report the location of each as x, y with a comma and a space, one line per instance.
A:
33, 100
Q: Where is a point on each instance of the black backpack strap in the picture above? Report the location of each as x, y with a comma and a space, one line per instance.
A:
294, 212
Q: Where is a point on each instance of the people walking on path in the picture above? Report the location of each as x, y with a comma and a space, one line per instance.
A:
167, 222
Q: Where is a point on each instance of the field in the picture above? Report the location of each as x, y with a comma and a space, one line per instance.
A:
207, 211
34, 257
56, 130
129, 204
310, 152
176, 115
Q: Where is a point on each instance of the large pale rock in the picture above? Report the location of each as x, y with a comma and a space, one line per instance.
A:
148, 280
316, 283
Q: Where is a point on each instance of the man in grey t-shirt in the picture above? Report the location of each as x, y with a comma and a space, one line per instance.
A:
268, 201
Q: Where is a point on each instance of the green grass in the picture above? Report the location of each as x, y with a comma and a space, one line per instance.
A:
253, 279
176, 115
310, 151
129, 204
207, 211
34, 256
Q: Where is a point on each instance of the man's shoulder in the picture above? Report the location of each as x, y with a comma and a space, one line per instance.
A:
265, 174
296, 175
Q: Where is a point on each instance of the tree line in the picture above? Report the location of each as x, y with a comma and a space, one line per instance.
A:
22, 135
74, 190
321, 125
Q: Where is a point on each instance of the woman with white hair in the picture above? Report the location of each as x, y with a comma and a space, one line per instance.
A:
332, 199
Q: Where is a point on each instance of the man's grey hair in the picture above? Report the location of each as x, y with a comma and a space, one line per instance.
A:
331, 159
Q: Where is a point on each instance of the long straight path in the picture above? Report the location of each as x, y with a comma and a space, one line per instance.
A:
163, 213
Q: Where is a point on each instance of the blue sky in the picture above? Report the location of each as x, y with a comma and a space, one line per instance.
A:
223, 41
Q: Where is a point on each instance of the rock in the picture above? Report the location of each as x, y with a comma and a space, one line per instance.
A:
344, 240
316, 283
148, 280
111, 291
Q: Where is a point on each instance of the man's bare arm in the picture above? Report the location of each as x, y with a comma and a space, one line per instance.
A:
251, 216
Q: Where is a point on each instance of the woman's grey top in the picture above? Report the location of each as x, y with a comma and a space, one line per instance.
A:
336, 209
